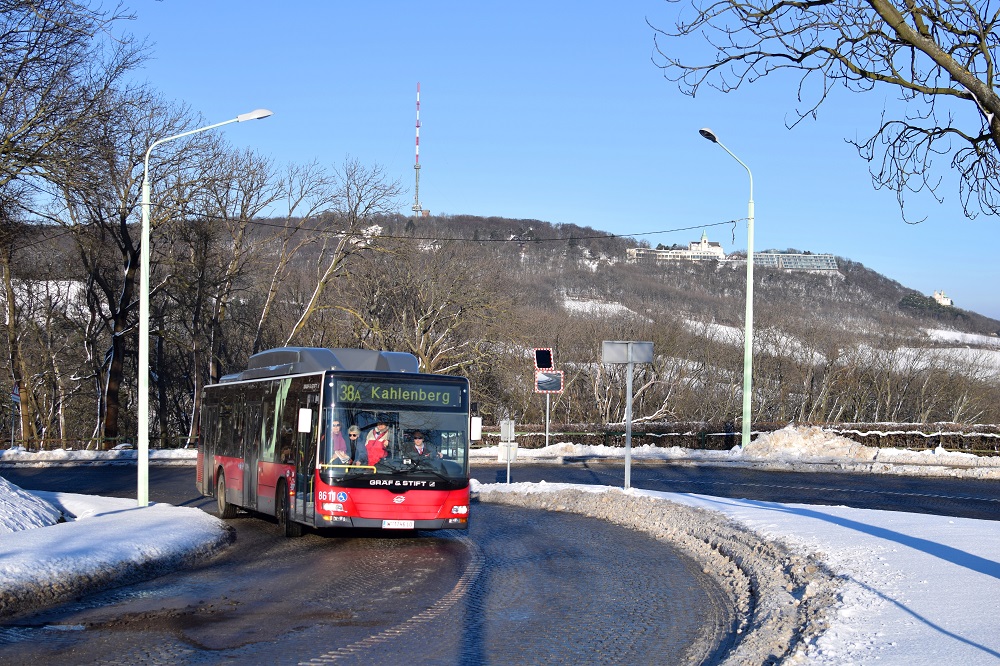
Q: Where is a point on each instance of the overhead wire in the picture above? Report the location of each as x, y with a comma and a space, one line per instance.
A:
516, 238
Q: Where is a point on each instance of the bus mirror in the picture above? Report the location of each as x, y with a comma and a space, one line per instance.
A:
305, 419
476, 428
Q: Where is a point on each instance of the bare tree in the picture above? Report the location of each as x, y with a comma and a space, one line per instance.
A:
362, 194
101, 198
939, 57
308, 192
56, 74
241, 186
441, 304
10, 232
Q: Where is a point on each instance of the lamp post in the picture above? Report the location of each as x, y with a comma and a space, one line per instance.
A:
748, 332
143, 434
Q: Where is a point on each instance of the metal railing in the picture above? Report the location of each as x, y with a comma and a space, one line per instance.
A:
982, 440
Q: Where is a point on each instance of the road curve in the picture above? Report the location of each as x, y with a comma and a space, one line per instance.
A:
524, 585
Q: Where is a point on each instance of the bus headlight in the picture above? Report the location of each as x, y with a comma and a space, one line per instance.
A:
460, 509
329, 506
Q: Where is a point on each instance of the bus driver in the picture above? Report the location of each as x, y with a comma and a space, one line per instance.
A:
419, 449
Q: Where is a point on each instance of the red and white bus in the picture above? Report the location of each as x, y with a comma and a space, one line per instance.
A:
275, 441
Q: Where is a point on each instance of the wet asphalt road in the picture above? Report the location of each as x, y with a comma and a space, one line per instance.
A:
521, 586
945, 496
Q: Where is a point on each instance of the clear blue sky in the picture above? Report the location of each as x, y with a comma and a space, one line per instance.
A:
554, 111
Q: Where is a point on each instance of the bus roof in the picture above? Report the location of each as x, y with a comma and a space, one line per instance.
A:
301, 360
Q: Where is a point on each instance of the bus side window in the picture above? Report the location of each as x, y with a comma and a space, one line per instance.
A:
238, 425
253, 430
225, 431
282, 423
285, 453
209, 437
268, 431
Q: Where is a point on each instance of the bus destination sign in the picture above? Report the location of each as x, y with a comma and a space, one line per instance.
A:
370, 391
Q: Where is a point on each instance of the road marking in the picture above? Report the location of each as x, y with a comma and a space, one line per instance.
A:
468, 578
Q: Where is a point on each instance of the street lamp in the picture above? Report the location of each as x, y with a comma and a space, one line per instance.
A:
143, 452
748, 332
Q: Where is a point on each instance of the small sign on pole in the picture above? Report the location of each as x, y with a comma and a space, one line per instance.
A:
549, 381
508, 447
543, 358
15, 394
630, 353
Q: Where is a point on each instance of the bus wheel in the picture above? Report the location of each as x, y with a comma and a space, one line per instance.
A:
226, 510
289, 527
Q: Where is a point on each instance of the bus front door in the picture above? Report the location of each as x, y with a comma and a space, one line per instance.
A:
303, 507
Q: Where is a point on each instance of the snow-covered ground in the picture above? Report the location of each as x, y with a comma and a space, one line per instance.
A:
943, 335
918, 589
591, 307
91, 543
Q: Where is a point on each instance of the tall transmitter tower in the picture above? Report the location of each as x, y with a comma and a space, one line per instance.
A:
417, 208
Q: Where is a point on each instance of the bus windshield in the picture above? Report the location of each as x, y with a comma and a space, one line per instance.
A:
413, 428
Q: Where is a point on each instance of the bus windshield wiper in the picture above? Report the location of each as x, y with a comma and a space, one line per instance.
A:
392, 466
425, 466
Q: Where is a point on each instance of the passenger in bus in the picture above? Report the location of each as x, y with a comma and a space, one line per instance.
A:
286, 455
339, 444
377, 442
419, 448
357, 453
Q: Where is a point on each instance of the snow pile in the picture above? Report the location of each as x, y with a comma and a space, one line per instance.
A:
803, 448
21, 510
784, 599
810, 443
19, 456
98, 550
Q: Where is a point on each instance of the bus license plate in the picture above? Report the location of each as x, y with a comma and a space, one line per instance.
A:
397, 524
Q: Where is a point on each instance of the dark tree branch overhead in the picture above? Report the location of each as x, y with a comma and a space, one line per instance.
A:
938, 56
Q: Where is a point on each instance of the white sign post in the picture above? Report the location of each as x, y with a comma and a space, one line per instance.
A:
548, 382
508, 447
615, 351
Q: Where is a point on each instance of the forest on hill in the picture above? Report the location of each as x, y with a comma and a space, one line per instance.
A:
246, 254
474, 296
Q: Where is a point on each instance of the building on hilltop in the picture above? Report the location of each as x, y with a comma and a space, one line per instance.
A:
795, 262
703, 250
940, 297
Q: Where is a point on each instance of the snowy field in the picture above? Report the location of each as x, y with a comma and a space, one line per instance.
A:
917, 589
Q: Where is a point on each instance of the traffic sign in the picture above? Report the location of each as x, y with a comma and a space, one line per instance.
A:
15, 395
548, 381
543, 358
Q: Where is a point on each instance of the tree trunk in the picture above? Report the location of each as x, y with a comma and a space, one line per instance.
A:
15, 358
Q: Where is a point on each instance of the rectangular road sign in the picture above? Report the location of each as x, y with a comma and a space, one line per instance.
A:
543, 358
548, 381
621, 351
